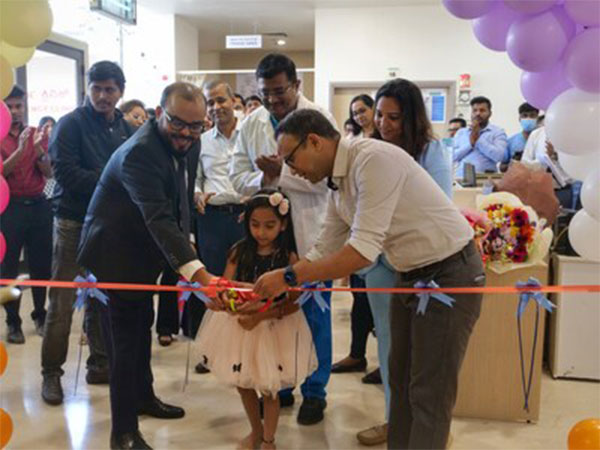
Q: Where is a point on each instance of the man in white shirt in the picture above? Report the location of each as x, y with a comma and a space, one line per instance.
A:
539, 153
382, 201
217, 203
256, 165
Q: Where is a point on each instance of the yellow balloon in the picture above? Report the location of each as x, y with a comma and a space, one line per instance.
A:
16, 56
7, 78
25, 23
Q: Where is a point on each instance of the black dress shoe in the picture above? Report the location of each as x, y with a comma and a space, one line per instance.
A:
359, 366
372, 377
132, 440
94, 376
200, 368
160, 410
15, 335
311, 411
52, 392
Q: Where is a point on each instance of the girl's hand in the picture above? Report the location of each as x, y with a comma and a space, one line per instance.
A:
248, 321
249, 308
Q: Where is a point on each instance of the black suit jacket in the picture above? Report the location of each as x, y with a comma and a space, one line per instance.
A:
131, 231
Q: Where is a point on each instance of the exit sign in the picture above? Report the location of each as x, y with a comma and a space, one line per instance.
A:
243, 41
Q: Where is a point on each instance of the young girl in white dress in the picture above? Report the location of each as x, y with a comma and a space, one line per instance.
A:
270, 349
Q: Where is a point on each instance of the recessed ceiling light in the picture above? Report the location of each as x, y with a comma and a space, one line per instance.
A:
280, 42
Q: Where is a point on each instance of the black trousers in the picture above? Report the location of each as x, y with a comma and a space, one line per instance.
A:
127, 327
167, 320
361, 319
27, 223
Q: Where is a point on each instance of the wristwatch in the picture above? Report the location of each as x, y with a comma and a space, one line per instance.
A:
289, 276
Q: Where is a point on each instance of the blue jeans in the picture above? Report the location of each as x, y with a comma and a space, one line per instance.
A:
381, 275
320, 326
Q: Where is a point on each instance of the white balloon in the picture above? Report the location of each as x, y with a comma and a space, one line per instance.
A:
590, 194
572, 122
579, 167
584, 235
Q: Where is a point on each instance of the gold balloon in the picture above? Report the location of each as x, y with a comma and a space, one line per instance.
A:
16, 56
7, 78
25, 23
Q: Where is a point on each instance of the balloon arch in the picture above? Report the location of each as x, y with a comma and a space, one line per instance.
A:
557, 45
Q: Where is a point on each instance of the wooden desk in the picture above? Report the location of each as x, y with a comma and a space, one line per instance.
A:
490, 379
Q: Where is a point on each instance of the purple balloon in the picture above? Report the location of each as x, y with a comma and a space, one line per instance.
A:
540, 88
536, 43
582, 61
468, 9
530, 6
491, 29
584, 12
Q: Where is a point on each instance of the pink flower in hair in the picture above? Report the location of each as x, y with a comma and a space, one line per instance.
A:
275, 199
284, 206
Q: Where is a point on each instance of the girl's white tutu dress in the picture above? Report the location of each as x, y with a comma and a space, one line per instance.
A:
274, 355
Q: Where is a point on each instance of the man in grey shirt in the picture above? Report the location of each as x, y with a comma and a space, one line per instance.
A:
382, 201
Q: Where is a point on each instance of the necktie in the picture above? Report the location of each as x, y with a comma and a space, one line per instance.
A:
184, 207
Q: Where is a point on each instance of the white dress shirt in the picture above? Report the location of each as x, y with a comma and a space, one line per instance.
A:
309, 201
535, 156
213, 166
387, 203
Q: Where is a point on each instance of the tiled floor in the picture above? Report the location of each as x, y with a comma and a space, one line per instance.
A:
214, 417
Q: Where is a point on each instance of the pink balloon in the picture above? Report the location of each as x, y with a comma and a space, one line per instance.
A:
530, 6
491, 29
584, 12
5, 120
2, 247
540, 88
468, 9
4, 194
536, 43
582, 60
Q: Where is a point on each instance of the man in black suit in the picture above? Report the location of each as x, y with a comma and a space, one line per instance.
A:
137, 225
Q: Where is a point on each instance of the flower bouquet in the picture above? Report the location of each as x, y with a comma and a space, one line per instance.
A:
509, 233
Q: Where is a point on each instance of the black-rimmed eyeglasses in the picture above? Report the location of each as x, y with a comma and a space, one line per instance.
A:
179, 124
289, 158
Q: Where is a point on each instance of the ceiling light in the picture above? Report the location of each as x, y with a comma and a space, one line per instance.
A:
281, 42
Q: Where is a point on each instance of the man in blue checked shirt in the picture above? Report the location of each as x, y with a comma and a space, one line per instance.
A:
482, 144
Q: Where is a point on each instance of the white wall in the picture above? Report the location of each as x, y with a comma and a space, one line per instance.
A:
186, 45
425, 42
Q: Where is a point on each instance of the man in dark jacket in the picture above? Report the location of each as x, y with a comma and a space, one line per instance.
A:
80, 147
137, 225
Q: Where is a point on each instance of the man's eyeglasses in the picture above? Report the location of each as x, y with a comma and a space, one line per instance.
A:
177, 124
289, 158
279, 92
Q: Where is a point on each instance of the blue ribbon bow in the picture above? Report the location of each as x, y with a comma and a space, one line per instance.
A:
84, 293
538, 296
425, 296
317, 296
185, 295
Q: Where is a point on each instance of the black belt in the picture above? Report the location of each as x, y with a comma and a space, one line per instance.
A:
233, 208
463, 254
28, 201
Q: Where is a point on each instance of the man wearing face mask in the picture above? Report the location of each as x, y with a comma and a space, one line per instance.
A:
255, 165
137, 226
516, 143
482, 144
80, 145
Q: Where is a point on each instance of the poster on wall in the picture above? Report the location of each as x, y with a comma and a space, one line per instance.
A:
435, 103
